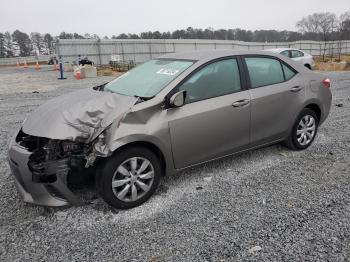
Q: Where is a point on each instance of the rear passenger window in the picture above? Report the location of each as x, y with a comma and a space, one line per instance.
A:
288, 72
264, 71
285, 53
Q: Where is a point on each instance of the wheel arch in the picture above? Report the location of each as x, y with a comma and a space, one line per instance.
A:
307, 65
149, 145
316, 108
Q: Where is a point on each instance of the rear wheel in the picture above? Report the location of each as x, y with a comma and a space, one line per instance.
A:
304, 130
129, 178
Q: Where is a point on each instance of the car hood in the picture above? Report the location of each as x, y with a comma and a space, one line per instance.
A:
78, 116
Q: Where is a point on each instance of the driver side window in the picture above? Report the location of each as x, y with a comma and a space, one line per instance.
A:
216, 79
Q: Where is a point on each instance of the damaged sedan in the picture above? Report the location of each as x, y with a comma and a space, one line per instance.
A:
163, 116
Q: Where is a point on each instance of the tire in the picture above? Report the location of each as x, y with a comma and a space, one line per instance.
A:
307, 66
119, 170
295, 140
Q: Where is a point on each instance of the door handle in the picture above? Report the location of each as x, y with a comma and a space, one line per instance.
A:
296, 88
241, 103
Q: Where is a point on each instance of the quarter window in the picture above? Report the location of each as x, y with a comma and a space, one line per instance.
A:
288, 72
264, 71
296, 53
216, 79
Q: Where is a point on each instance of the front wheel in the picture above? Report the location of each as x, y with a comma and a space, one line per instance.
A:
304, 130
129, 178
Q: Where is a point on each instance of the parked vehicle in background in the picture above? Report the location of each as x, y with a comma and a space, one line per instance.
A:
297, 55
52, 60
86, 61
161, 117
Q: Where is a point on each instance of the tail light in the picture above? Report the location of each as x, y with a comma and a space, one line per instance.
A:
326, 82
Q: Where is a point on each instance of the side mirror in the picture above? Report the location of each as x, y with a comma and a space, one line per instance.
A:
178, 99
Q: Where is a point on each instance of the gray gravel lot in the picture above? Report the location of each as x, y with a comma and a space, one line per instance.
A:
270, 204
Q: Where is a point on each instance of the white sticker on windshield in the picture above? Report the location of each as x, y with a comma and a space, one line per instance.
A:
169, 72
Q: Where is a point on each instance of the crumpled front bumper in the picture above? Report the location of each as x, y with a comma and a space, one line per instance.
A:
47, 194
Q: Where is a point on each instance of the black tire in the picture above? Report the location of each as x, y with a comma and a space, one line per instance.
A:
292, 140
107, 169
307, 66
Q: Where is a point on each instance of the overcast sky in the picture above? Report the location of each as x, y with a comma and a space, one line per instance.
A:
108, 17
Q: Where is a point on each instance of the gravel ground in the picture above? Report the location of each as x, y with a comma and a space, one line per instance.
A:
270, 204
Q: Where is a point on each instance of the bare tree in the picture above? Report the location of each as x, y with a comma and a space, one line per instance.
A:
319, 23
344, 25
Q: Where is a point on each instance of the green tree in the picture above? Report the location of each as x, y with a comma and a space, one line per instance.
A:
23, 42
2, 46
64, 35
8, 44
48, 41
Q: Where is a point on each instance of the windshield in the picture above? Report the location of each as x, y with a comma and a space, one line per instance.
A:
148, 79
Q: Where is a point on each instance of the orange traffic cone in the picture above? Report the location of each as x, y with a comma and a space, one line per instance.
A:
37, 65
55, 68
17, 65
25, 65
78, 75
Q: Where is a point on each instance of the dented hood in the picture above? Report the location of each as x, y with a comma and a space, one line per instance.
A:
77, 116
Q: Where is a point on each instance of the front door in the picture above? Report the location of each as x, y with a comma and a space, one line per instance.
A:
215, 119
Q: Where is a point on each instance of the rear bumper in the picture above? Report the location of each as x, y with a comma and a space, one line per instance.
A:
47, 194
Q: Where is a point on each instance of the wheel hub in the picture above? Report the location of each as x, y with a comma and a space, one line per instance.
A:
306, 130
133, 179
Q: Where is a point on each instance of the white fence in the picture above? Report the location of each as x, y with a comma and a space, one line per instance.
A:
141, 50
28, 59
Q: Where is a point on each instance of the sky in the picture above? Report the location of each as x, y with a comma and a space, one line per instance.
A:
112, 17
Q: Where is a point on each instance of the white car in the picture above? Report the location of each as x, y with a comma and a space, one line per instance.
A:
297, 55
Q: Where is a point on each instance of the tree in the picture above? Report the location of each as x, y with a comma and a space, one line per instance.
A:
319, 23
122, 36
23, 42
2, 46
8, 45
133, 36
147, 35
156, 35
38, 42
344, 26
77, 36
48, 40
64, 35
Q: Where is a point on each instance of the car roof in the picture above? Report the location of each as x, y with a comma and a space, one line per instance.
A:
210, 54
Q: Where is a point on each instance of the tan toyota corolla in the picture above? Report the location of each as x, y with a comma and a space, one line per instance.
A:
163, 116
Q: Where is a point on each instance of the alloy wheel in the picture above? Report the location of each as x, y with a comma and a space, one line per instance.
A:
306, 130
133, 179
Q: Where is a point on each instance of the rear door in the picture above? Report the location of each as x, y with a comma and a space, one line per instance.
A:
215, 119
276, 95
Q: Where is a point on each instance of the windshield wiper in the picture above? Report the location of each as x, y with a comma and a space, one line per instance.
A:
142, 99
100, 87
